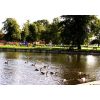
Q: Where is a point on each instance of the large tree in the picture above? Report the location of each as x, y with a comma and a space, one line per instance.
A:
42, 26
52, 32
75, 29
11, 29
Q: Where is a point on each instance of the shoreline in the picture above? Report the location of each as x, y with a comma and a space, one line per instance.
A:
54, 51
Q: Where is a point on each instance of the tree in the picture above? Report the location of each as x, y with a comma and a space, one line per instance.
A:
95, 28
46, 35
44, 22
75, 28
41, 27
2, 35
52, 32
25, 31
55, 32
32, 32
11, 29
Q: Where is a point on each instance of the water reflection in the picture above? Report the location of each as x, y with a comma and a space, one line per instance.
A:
91, 61
11, 55
63, 68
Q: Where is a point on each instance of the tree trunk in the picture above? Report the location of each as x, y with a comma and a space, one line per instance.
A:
79, 47
98, 44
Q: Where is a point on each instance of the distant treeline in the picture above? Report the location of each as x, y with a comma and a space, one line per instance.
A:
66, 29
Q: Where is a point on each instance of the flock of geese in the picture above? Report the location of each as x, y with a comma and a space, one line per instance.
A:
44, 71
82, 79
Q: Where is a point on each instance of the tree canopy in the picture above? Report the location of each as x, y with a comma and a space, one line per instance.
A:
67, 29
75, 29
12, 30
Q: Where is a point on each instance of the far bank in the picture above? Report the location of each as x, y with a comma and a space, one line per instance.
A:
50, 50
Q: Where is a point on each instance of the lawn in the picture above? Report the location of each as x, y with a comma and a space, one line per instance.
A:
47, 47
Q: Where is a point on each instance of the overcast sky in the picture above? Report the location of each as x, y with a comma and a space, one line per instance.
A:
33, 10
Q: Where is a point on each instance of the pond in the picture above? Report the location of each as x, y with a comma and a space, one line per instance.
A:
22, 68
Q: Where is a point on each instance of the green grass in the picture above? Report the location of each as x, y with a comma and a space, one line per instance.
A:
25, 47
48, 47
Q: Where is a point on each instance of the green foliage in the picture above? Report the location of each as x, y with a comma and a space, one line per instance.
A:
56, 39
75, 29
42, 26
32, 32
96, 29
25, 31
12, 30
52, 32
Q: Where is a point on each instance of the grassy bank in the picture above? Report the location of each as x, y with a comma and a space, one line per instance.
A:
35, 47
51, 49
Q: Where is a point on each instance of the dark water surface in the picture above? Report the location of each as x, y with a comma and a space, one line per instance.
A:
20, 68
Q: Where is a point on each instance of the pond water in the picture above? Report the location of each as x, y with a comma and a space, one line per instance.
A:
21, 68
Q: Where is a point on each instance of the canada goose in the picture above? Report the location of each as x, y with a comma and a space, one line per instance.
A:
36, 69
74, 81
33, 64
6, 62
26, 61
81, 75
51, 73
43, 73
46, 73
56, 73
64, 80
82, 80
45, 66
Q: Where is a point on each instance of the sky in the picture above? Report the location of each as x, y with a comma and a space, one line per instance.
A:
33, 10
